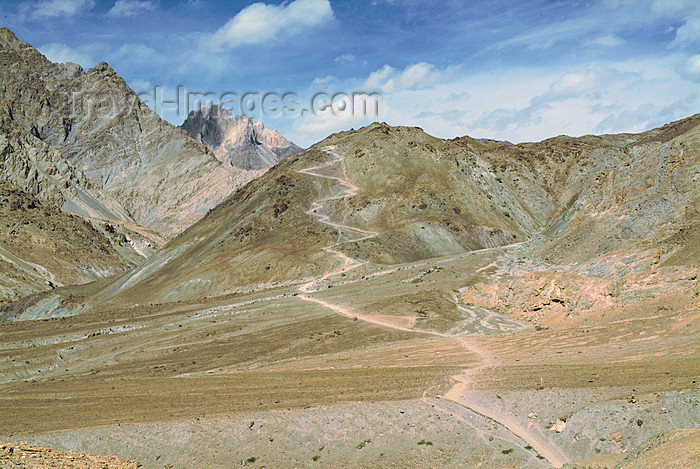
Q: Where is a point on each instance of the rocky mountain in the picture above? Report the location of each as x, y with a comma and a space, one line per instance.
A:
85, 140
238, 141
82, 143
416, 192
627, 229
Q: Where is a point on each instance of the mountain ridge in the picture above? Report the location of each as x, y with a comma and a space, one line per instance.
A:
492, 196
84, 143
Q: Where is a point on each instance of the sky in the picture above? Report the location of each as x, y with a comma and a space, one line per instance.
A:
508, 70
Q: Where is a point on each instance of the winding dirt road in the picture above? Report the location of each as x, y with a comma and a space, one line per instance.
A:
462, 392
351, 233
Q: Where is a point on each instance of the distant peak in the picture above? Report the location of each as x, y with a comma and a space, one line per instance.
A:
238, 141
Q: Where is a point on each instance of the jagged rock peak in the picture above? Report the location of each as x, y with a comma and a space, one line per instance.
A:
71, 69
104, 68
238, 141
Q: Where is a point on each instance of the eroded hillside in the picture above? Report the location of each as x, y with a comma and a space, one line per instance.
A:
43, 247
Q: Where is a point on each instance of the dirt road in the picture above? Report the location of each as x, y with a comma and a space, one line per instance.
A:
461, 392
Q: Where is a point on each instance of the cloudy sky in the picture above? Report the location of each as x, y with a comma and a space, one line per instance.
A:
514, 70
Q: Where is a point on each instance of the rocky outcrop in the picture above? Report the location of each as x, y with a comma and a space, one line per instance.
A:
238, 141
36, 457
557, 299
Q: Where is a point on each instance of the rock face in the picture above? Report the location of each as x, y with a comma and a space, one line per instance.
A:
87, 142
83, 143
237, 141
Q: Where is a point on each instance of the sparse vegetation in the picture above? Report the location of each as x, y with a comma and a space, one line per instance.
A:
363, 443
425, 442
507, 451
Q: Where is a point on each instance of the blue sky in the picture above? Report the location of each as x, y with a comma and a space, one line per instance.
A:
520, 71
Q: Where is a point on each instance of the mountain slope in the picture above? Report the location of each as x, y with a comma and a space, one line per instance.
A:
92, 125
630, 234
264, 234
42, 247
425, 197
237, 141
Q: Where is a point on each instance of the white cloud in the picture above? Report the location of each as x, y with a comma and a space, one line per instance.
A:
323, 81
141, 86
688, 33
55, 8
687, 11
345, 58
61, 53
670, 7
333, 112
607, 40
638, 119
690, 69
598, 99
388, 79
531, 104
260, 23
127, 8
312, 128
572, 84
